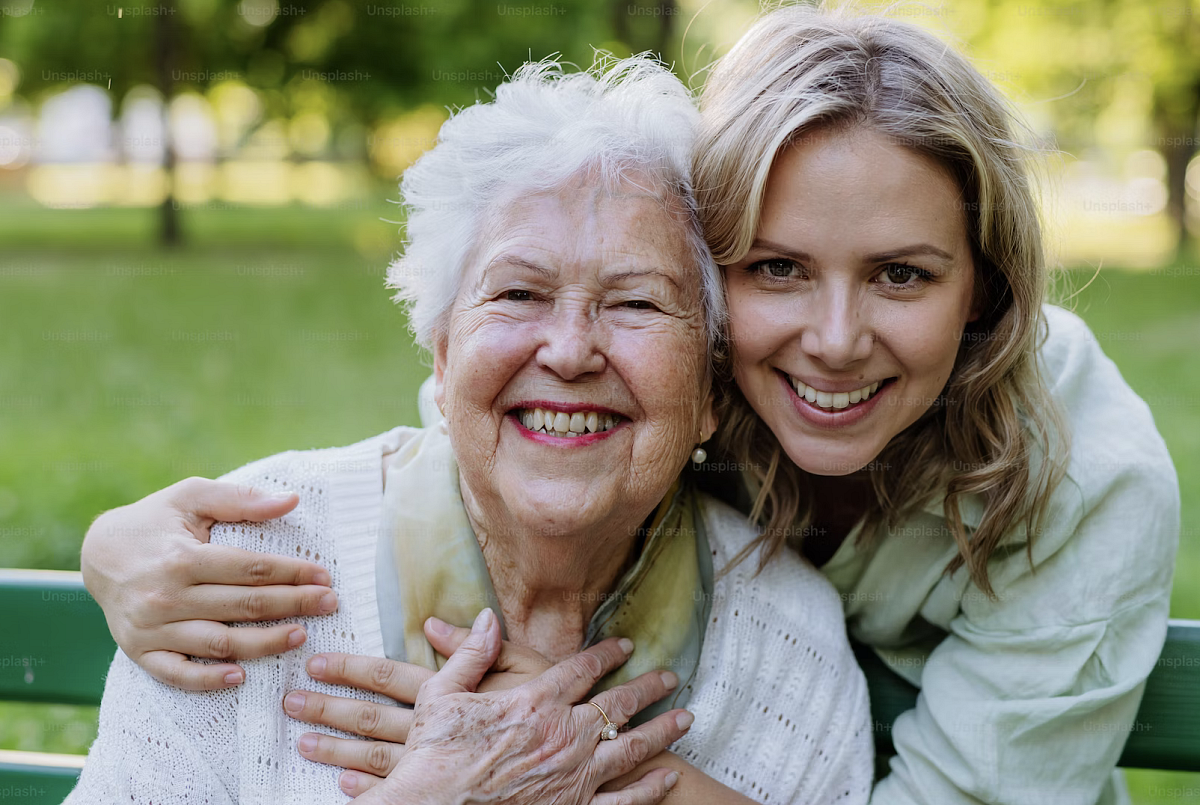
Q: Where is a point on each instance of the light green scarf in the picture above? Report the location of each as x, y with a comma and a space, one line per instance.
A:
431, 565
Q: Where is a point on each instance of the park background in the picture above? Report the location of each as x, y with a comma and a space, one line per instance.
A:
197, 211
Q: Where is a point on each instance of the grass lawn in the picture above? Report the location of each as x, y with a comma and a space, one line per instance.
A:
123, 369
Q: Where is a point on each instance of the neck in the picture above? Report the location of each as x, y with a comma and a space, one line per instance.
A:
550, 585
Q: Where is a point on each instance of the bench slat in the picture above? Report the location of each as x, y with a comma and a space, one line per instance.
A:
1166, 733
56, 645
56, 649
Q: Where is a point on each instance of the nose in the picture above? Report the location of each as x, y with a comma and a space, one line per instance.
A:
572, 345
839, 335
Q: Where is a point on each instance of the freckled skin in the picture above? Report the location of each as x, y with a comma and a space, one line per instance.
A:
839, 197
556, 525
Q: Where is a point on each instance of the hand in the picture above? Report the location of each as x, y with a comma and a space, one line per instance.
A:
369, 762
165, 590
573, 763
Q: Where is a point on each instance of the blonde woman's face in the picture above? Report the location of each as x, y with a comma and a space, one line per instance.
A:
848, 312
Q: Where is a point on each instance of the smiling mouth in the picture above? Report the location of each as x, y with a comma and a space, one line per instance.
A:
834, 401
562, 424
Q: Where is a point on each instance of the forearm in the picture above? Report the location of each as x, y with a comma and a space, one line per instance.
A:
694, 786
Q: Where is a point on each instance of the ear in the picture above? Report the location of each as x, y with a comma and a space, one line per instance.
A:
708, 417
439, 372
977, 300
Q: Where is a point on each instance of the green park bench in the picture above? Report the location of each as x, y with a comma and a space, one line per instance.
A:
55, 648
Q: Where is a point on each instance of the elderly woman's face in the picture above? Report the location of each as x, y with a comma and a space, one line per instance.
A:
573, 372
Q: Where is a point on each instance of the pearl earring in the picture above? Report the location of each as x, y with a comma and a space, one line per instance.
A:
699, 455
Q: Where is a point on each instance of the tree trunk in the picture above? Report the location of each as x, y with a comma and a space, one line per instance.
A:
169, 234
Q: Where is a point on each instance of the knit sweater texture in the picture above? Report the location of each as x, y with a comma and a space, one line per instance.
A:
781, 707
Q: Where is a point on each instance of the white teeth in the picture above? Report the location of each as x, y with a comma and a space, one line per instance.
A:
834, 400
558, 423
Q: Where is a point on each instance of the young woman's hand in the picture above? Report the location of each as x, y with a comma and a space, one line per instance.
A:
166, 591
528, 740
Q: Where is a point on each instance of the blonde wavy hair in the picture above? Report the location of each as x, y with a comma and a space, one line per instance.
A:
995, 432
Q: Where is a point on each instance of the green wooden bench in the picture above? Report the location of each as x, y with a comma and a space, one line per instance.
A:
55, 647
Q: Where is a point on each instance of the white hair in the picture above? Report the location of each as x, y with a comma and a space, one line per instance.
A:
544, 128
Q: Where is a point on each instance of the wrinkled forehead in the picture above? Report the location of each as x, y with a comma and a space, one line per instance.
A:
593, 219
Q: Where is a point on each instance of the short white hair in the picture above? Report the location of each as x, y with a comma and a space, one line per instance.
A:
545, 127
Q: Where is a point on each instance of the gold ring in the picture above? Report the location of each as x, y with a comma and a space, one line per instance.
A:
610, 730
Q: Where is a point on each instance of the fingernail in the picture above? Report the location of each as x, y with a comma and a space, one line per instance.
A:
670, 679
234, 678
348, 781
483, 621
322, 578
280, 496
684, 720
626, 645
672, 778
293, 702
328, 602
440, 627
307, 742
296, 638
316, 666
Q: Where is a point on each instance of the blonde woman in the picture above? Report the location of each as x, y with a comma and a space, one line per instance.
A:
961, 460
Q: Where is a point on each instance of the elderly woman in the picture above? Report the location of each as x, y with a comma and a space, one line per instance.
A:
556, 271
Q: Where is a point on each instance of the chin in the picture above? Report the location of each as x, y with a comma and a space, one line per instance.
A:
817, 459
553, 508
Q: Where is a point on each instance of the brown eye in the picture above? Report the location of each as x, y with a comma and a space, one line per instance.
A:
779, 268
776, 269
900, 274
518, 296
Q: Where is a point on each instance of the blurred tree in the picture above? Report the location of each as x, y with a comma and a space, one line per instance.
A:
375, 59
1128, 65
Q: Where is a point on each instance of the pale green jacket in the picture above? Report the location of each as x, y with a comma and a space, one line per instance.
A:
1029, 697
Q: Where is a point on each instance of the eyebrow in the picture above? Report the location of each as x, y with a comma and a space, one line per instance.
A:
520, 262
649, 272
925, 249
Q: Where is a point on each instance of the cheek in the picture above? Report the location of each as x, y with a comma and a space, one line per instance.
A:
482, 359
925, 344
665, 374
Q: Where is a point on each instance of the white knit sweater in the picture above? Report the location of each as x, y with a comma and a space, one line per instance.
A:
781, 707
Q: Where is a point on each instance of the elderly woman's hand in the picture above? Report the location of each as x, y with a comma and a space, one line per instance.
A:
165, 590
369, 761
528, 743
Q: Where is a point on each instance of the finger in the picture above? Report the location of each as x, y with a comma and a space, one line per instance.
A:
224, 564
221, 602
627, 700
572, 678
178, 671
398, 680
474, 657
373, 757
368, 719
649, 790
446, 638
217, 641
204, 502
621, 756
357, 782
